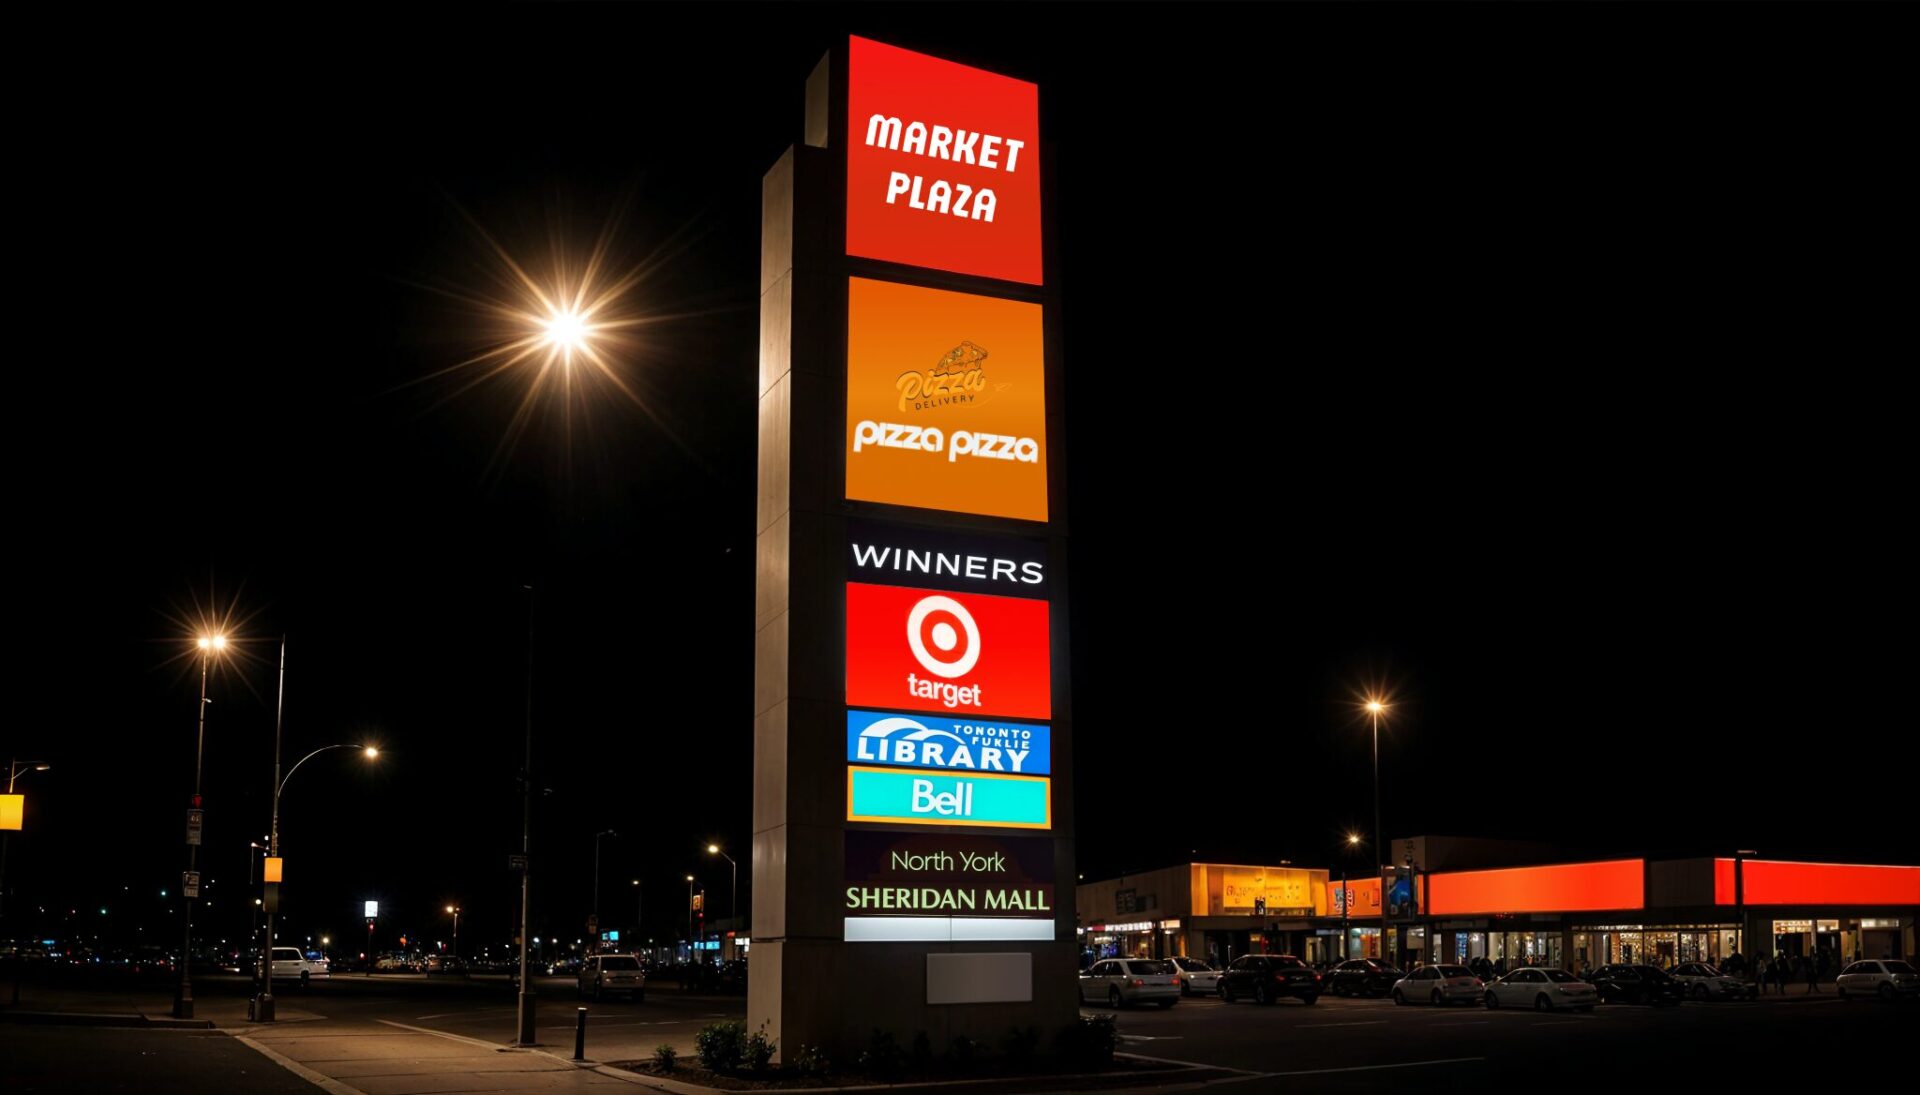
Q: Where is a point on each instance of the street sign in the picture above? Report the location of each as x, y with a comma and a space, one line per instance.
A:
190, 883
194, 820
373, 909
516, 863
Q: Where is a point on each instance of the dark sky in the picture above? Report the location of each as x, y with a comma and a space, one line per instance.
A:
1533, 364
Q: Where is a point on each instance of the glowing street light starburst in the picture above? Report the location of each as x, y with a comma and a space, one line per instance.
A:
557, 330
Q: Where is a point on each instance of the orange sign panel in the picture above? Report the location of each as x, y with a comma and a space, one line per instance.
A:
1772, 882
1366, 897
1567, 887
943, 164
946, 401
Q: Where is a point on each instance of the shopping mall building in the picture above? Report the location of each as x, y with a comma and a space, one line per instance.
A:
1456, 898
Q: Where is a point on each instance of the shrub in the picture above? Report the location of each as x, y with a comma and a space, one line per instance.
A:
759, 1049
810, 1061
721, 1045
964, 1053
1020, 1042
882, 1058
922, 1053
664, 1058
1089, 1042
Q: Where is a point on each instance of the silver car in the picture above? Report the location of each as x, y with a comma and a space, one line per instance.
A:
1541, 990
603, 974
1704, 982
1123, 981
1438, 985
1888, 979
1195, 976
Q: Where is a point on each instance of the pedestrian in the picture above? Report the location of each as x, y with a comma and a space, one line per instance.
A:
1762, 971
1780, 972
1813, 976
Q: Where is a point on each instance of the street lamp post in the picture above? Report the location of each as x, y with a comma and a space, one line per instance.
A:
1346, 899
183, 995
525, 1004
639, 906
455, 910
733, 899
689, 921
1376, 707
594, 943
14, 769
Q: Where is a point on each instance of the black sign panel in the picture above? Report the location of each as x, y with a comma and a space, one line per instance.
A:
898, 555
925, 874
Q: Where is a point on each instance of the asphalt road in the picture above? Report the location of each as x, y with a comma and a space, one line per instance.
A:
1341, 1045
64, 1060
1334, 1045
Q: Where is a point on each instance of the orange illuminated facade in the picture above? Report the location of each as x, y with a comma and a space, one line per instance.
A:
1774, 882
1569, 887
1366, 898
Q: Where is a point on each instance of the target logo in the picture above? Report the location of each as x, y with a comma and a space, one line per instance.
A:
920, 650
945, 625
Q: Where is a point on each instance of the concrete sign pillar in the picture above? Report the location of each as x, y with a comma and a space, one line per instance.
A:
913, 858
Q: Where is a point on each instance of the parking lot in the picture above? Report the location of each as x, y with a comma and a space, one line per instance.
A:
1361, 1044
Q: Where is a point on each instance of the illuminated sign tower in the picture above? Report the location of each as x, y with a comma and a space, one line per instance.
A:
913, 785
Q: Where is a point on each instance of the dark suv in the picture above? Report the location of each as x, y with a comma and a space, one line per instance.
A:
1362, 977
1622, 984
1267, 977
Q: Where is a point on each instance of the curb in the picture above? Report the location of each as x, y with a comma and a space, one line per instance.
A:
96, 1019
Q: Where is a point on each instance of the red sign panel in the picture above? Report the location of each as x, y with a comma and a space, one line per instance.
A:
954, 653
1567, 887
1771, 882
943, 164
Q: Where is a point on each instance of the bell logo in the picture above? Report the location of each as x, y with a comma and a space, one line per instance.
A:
933, 621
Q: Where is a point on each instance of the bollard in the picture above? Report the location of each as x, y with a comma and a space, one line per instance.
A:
580, 1034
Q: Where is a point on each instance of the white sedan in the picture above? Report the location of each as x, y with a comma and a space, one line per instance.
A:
1195, 977
1704, 982
1888, 979
1541, 990
1122, 982
1438, 985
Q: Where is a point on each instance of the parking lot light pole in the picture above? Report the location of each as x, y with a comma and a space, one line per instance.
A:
209, 645
733, 899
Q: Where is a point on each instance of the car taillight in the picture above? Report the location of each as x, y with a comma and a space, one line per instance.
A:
1137, 983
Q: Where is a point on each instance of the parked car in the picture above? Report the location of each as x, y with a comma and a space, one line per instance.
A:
1362, 977
1195, 976
1886, 978
449, 964
1268, 977
1542, 990
1124, 981
1704, 982
289, 963
604, 974
1438, 985
1624, 984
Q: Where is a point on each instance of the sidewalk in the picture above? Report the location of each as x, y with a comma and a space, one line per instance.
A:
385, 1058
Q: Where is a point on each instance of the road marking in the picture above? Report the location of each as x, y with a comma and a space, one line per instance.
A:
443, 1034
1356, 1023
451, 1014
1193, 1064
1376, 1068
324, 1082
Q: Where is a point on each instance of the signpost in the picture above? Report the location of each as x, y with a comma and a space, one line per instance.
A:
196, 820
190, 883
909, 504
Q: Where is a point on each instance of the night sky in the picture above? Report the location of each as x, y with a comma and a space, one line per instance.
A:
1514, 363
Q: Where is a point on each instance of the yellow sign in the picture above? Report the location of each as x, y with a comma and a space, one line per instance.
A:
1280, 888
271, 873
13, 810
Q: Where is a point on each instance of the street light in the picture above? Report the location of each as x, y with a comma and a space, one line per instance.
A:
594, 943
639, 905
689, 920
15, 768
1346, 898
1376, 707
208, 645
455, 910
733, 907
